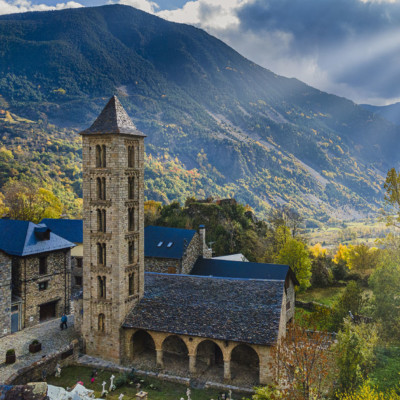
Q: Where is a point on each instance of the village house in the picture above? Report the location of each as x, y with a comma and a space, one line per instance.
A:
34, 275
180, 323
72, 230
173, 250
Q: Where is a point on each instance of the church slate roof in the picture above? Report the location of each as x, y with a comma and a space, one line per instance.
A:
242, 310
70, 229
113, 119
240, 269
18, 238
154, 235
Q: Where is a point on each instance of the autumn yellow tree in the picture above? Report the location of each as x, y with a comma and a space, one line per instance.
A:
303, 364
26, 201
367, 392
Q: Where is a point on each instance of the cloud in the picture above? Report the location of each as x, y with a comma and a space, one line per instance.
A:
347, 47
207, 14
144, 5
18, 6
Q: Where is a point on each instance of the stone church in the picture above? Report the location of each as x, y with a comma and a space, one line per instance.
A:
219, 327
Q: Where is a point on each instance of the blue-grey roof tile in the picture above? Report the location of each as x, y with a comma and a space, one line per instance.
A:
240, 269
154, 235
227, 309
18, 238
70, 229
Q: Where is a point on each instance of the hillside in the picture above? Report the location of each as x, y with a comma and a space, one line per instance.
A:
217, 124
390, 112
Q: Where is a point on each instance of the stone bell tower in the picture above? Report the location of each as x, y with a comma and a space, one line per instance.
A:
113, 227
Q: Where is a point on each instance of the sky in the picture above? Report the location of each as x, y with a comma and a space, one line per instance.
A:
347, 47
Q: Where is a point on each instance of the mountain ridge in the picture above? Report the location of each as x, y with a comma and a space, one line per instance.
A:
247, 132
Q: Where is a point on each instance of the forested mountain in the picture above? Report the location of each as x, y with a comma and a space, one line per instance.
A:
217, 123
390, 112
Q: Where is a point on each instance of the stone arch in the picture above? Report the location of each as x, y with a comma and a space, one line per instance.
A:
245, 365
210, 360
175, 355
143, 350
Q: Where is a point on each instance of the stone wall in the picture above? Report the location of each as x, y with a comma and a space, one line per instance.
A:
58, 281
5, 294
162, 265
76, 274
290, 301
196, 248
34, 373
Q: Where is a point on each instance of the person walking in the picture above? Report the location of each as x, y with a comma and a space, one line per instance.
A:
64, 321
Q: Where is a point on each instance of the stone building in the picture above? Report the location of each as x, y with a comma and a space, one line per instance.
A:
179, 323
72, 230
34, 275
113, 224
173, 250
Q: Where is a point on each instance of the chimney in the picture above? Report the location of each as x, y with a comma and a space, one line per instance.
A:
205, 251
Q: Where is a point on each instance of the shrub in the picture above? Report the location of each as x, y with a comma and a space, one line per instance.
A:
121, 380
35, 341
10, 352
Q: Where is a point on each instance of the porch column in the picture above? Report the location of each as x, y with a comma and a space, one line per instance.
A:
192, 363
227, 370
160, 362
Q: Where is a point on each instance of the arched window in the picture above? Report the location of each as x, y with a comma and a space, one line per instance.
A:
99, 156
101, 253
103, 156
104, 221
131, 187
102, 323
131, 253
131, 219
99, 220
131, 284
103, 187
131, 157
99, 189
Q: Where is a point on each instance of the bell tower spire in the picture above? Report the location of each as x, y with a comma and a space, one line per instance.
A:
113, 227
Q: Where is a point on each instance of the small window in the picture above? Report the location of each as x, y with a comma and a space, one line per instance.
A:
14, 307
288, 305
78, 281
172, 270
160, 244
43, 285
170, 244
42, 265
79, 262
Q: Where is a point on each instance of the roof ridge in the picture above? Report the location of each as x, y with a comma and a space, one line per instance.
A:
113, 119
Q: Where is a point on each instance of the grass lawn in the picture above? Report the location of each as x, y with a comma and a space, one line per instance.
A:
325, 296
159, 390
386, 372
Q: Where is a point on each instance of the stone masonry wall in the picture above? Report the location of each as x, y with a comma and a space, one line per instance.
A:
161, 265
33, 373
5, 294
103, 314
58, 278
290, 301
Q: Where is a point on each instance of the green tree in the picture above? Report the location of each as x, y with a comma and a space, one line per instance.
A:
385, 285
354, 353
295, 254
351, 300
392, 196
362, 258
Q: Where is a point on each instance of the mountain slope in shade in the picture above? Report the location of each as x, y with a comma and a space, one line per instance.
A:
234, 128
390, 112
